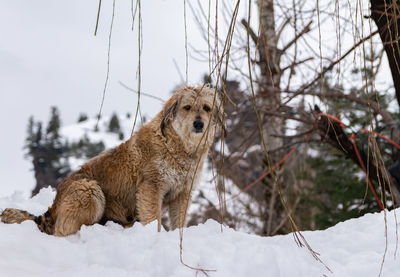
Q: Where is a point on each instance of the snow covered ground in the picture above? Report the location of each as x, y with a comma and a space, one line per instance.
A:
351, 248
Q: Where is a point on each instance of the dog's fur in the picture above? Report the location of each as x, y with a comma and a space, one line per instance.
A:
155, 169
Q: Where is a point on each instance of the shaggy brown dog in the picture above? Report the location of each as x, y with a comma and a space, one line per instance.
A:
156, 168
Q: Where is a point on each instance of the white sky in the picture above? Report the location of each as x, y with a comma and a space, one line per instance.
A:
49, 56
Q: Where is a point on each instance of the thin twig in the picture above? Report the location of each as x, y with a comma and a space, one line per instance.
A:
141, 93
108, 65
326, 69
98, 16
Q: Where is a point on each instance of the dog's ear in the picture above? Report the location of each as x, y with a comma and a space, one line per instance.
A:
169, 112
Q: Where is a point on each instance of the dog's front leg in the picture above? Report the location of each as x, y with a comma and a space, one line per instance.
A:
149, 203
177, 210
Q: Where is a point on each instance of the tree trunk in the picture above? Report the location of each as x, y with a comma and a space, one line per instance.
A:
269, 99
386, 15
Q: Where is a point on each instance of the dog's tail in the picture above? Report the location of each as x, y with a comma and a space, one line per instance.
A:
16, 216
44, 222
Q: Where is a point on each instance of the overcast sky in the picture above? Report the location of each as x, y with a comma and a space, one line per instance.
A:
49, 56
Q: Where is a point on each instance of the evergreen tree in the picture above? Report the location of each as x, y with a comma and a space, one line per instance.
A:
338, 193
94, 149
53, 127
48, 153
82, 117
113, 126
84, 148
30, 138
37, 139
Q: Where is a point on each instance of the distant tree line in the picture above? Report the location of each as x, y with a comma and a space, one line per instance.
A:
50, 152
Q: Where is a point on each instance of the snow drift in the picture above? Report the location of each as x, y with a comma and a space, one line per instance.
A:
352, 248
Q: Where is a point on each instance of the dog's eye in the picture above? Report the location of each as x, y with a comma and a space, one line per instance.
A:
187, 107
206, 108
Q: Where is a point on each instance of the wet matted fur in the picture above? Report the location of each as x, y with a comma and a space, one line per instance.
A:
155, 169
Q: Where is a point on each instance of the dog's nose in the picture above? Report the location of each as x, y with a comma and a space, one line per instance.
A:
198, 125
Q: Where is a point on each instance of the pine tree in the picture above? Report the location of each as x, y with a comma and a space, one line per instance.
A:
37, 139
113, 126
84, 148
53, 127
82, 117
339, 190
30, 138
48, 153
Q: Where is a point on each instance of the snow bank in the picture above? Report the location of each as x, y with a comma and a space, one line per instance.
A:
352, 248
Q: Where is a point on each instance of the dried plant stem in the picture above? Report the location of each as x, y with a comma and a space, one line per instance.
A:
108, 66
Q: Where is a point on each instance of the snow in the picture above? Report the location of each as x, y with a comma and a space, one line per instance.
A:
75, 132
351, 248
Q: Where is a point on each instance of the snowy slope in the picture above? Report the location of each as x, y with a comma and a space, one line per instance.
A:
75, 132
352, 248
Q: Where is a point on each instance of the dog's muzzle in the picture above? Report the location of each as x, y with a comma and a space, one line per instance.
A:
198, 125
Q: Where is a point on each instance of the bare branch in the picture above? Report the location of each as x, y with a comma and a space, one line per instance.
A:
296, 64
141, 93
253, 35
299, 35
330, 67
278, 34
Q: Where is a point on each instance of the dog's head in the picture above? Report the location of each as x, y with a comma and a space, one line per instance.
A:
194, 113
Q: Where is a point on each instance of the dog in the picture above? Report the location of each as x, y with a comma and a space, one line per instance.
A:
155, 169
